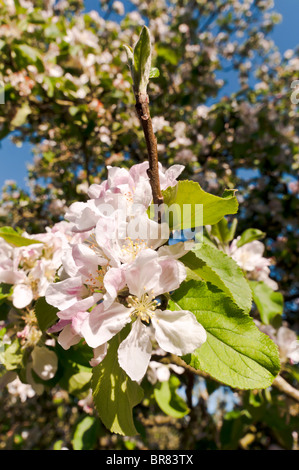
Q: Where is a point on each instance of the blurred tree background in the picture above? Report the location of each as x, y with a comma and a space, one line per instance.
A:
68, 92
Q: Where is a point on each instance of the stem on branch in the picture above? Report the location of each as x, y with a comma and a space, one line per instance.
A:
143, 112
279, 382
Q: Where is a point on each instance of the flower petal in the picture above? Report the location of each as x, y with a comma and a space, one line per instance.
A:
22, 296
178, 332
65, 293
113, 282
144, 273
173, 274
101, 325
80, 306
134, 352
68, 337
98, 355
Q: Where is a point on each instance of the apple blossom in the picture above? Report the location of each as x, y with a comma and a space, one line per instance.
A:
250, 258
178, 332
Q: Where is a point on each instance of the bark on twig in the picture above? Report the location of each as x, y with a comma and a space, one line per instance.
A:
279, 382
143, 112
283, 386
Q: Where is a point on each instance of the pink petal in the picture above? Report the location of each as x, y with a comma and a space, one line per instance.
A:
98, 355
22, 296
80, 306
68, 337
134, 352
64, 294
144, 274
101, 325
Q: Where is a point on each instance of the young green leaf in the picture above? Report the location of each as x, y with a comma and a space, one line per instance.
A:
223, 231
86, 433
154, 72
187, 206
142, 61
21, 115
214, 266
114, 393
269, 303
130, 55
12, 237
12, 356
168, 399
6, 290
250, 235
236, 352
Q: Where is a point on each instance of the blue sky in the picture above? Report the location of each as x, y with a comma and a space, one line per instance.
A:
14, 159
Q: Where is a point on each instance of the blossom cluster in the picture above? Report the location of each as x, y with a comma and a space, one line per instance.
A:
27, 271
121, 273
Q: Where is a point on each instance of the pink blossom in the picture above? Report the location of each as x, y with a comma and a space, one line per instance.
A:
177, 332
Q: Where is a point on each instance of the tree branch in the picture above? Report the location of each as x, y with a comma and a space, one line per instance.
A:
143, 112
283, 386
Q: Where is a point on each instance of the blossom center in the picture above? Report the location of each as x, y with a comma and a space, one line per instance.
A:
131, 248
143, 307
96, 282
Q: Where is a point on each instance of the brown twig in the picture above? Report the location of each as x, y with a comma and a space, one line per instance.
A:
280, 383
143, 112
283, 386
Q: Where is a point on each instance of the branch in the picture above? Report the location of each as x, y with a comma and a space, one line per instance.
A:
143, 112
283, 386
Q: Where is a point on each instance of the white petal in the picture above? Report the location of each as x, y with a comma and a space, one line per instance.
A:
101, 325
113, 282
65, 293
80, 306
178, 332
144, 273
85, 259
22, 296
98, 355
68, 337
134, 352
173, 274
176, 250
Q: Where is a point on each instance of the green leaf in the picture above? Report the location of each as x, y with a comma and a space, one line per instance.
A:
80, 381
12, 237
29, 55
214, 266
142, 61
236, 352
201, 208
171, 55
11, 357
28, 52
114, 393
130, 55
223, 231
6, 290
154, 72
45, 314
21, 116
168, 399
250, 235
268, 302
86, 433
